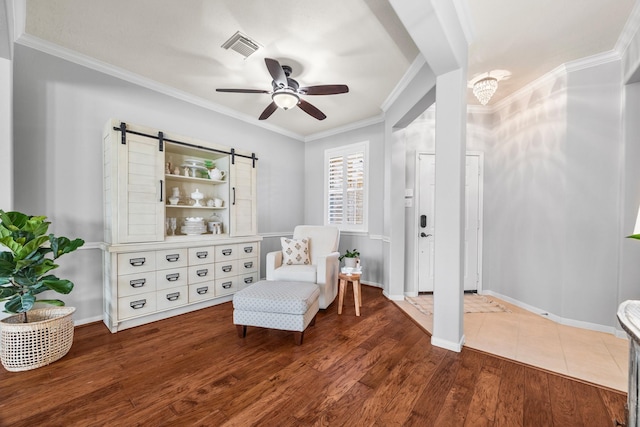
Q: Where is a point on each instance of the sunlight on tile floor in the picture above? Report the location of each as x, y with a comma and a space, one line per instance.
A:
596, 357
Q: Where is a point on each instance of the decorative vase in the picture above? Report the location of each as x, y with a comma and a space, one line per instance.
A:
44, 339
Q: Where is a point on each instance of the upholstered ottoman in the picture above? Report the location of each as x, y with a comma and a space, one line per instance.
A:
288, 306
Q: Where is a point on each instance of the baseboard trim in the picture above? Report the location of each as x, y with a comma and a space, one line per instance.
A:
558, 319
448, 345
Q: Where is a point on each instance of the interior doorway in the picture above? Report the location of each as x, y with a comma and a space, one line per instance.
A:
427, 232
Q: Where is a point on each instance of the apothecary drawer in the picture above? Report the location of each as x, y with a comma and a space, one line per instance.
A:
138, 283
247, 265
245, 280
171, 278
247, 250
226, 286
201, 255
172, 258
201, 273
226, 269
226, 252
202, 291
136, 305
136, 262
173, 297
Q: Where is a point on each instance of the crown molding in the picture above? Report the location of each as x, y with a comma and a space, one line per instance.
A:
629, 30
346, 128
592, 61
569, 67
530, 87
119, 73
413, 70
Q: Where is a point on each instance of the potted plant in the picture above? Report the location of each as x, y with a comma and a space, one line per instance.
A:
350, 258
33, 337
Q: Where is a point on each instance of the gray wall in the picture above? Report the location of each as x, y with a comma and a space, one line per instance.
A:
556, 159
562, 185
369, 244
60, 109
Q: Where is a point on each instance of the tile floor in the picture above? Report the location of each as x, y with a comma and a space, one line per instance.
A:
596, 357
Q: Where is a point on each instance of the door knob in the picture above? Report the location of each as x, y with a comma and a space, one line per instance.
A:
424, 235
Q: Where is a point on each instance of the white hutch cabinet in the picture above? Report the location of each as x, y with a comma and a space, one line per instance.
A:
176, 238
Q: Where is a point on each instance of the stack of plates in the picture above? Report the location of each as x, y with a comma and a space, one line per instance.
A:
193, 226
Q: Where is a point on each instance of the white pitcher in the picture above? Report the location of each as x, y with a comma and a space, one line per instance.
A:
216, 174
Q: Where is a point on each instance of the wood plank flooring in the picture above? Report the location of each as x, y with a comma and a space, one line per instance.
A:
378, 369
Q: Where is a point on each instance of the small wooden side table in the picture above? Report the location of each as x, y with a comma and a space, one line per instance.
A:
357, 296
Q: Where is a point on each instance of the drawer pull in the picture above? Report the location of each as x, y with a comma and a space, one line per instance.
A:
138, 283
173, 277
227, 268
227, 285
137, 262
203, 272
203, 290
173, 296
138, 304
173, 257
248, 280
248, 264
202, 254
227, 252
248, 249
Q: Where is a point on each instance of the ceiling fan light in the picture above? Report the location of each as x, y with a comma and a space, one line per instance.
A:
285, 99
484, 89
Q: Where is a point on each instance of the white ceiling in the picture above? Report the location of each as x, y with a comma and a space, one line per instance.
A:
360, 43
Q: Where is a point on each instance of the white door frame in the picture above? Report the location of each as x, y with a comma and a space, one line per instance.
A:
416, 253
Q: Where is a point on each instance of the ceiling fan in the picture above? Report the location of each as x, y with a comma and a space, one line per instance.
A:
286, 91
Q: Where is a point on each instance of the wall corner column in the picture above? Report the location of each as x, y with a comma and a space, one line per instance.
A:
448, 293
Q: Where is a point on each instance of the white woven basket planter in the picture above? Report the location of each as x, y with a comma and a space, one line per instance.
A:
46, 338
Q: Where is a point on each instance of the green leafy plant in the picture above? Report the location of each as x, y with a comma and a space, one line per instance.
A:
26, 257
634, 236
349, 254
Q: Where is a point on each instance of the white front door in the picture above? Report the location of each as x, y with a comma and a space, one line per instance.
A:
426, 224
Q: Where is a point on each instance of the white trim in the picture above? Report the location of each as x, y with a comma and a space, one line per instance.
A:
275, 234
540, 82
393, 297
629, 30
480, 155
415, 66
344, 151
346, 128
569, 67
18, 8
560, 320
592, 61
448, 345
102, 67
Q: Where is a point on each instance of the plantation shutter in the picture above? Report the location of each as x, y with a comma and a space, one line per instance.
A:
346, 189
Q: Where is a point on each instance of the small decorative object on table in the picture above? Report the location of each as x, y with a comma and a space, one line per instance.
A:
351, 258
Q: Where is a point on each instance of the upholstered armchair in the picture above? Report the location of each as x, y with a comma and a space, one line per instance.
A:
322, 267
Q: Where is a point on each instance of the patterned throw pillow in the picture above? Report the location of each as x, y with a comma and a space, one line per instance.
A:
295, 251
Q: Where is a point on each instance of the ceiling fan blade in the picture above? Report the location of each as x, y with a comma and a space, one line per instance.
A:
268, 111
276, 71
324, 90
311, 110
243, 90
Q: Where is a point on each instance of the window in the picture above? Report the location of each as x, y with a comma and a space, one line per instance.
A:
346, 186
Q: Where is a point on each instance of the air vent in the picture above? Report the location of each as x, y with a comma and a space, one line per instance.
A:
241, 44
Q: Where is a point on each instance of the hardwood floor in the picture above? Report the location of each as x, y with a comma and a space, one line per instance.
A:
377, 369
